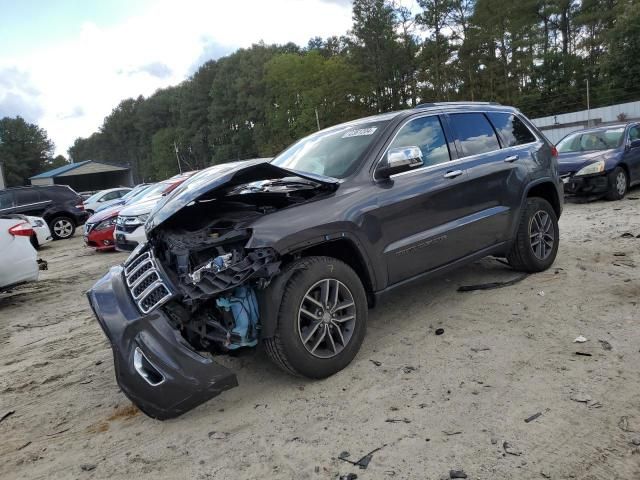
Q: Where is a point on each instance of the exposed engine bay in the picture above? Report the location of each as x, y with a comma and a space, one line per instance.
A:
202, 251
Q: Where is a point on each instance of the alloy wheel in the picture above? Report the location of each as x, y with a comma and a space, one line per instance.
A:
541, 234
621, 183
63, 228
326, 318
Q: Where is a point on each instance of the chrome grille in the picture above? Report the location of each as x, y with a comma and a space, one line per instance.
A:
145, 282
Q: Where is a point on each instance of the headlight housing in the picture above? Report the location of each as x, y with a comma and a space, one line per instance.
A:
105, 224
137, 220
593, 168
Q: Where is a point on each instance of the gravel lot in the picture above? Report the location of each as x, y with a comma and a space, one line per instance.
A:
437, 402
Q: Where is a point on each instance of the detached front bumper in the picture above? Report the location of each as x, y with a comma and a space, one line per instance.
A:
587, 185
155, 367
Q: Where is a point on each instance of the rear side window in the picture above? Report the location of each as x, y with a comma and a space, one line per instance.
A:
475, 133
111, 195
511, 129
6, 200
427, 134
59, 194
26, 197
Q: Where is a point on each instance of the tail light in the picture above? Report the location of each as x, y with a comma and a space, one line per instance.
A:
554, 151
80, 207
21, 230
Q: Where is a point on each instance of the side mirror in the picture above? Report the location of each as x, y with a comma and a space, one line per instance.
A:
634, 143
400, 160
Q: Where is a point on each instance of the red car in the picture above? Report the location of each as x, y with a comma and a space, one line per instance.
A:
99, 228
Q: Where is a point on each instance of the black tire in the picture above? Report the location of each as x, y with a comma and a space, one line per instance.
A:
528, 255
618, 184
62, 227
287, 349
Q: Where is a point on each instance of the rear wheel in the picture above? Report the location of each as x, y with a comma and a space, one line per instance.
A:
62, 227
618, 184
536, 243
322, 319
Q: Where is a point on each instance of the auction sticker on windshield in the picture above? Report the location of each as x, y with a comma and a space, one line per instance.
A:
360, 132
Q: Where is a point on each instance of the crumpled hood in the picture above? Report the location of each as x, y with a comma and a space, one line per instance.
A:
224, 175
570, 162
140, 208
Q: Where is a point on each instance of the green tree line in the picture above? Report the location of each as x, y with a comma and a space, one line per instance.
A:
534, 54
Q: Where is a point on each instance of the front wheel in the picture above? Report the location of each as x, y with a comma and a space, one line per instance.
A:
322, 318
618, 184
62, 227
536, 243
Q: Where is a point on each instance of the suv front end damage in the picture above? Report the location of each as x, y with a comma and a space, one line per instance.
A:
191, 292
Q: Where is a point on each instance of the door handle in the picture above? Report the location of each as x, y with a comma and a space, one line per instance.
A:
511, 158
453, 174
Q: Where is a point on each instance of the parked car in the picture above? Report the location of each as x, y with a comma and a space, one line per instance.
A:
104, 198
59, 205
315, 237
136, 192
18, 258
603, 160
99, 228
41, 233
129, 231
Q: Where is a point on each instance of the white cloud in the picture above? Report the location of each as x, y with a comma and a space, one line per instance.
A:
79, 81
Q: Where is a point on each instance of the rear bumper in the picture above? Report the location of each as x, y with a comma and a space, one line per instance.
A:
593, 184
155, 367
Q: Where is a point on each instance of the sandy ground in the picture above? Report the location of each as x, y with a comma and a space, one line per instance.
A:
436, 403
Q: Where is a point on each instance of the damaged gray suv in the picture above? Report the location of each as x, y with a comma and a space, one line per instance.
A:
292, 252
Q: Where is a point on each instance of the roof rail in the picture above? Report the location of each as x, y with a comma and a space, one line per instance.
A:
444, 104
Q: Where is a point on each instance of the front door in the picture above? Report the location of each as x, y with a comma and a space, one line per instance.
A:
419, 211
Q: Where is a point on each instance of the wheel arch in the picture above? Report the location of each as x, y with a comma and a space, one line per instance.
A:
547, 190
344, 249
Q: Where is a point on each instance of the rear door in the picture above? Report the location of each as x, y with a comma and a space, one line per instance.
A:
30, 201
496, 151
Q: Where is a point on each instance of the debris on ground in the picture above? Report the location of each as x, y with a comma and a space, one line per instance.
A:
625, 426
218, 435
409, 369
23, 446
533, 417
42, 264
492, 285
581, 397
580, 339
7, 415
348, 476
479, 349
635, 441
439, 331
87, 467
363, 462
605, 345
541, 293
584, 354
619, 254
457, 474
398, 420
510, 449
494, 440
545, 474
627, 235
375, 362
451, 432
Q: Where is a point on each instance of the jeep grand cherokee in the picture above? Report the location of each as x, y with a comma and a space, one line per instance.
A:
292, 252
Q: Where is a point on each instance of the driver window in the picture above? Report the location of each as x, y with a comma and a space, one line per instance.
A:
634, 133
427, 134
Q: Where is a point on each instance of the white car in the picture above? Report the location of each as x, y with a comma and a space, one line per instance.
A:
129, 230
41, 233
104, 197
18, 258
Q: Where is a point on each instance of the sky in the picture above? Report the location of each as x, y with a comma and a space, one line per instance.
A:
66, 64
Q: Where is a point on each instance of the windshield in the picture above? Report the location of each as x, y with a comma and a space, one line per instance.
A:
593, 140
134, 191
334, 152
149, 190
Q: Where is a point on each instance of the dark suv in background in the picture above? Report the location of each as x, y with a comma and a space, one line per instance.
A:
59, 205
294, 251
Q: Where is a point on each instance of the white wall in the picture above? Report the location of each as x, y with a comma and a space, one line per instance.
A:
555, 127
